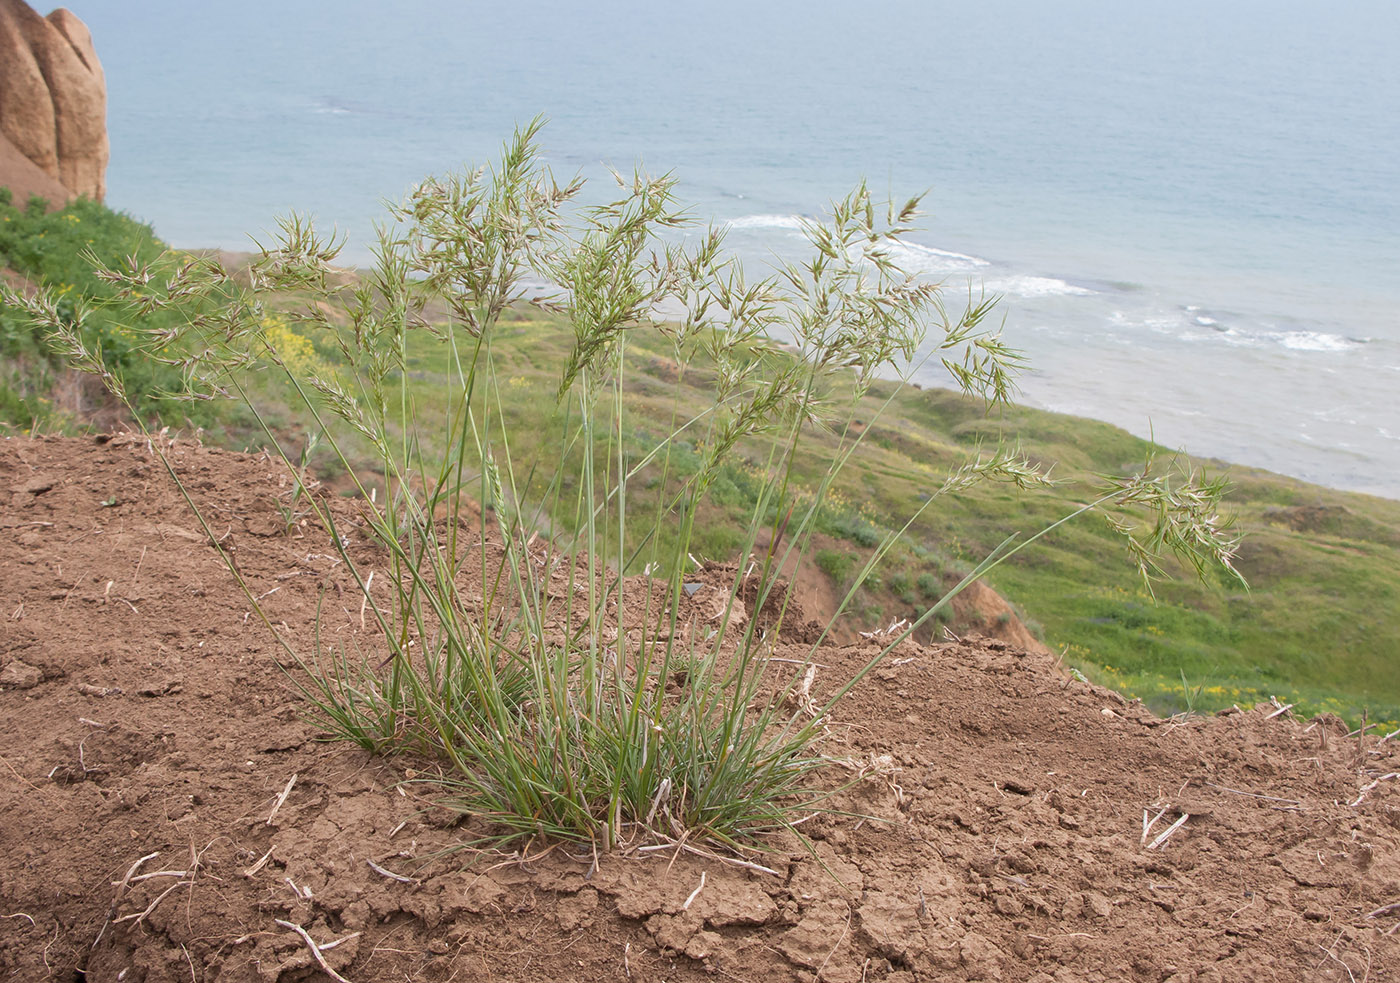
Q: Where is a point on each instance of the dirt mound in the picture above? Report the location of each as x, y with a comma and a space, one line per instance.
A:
980, 606
814, 600
167, 814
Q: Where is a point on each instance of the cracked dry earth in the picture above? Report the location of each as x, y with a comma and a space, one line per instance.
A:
166, 812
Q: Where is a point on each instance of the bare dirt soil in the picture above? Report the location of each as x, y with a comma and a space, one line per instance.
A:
167, 813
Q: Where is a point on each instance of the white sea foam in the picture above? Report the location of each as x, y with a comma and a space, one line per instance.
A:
919, 258
1219, 334
1187, 325
790, 222
914, 256
1312, 341
1037, 286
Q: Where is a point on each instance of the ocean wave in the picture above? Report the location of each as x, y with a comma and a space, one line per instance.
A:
792, 223
1312, 341
1203, 319
916, 257
1193, 325
1239, 339
1037, 286
919, 258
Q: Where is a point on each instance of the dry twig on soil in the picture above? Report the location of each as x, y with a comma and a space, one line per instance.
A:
117, 895
281, 798
686, 847
694, 894
141, 916
262, 861
391, 875
1365, 789
316, 950
1162, 837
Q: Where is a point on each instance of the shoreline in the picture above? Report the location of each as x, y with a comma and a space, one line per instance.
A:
1039, 395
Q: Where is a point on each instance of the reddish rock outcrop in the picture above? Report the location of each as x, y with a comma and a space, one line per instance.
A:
53, 105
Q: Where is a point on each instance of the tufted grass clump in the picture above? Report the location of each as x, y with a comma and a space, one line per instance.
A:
539, 627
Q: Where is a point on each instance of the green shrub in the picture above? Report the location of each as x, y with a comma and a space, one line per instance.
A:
68, 251
836, 564
857, 529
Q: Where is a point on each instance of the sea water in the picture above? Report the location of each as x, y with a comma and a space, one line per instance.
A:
1190, 210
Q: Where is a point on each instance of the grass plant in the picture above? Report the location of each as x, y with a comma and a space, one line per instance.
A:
544, 648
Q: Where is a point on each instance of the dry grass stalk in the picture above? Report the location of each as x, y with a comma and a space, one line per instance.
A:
141, 916
1147, 824
391, 875
317, 950
262, 862
687, 848
158, 873
1329, 954
1366, 789
117, 895
1162, 837
694, 894
281, 798
18, 775
839, 939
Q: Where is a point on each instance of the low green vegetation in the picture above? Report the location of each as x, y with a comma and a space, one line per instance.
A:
1314, 628
62, 250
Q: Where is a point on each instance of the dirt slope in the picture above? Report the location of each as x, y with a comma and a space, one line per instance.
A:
143, 715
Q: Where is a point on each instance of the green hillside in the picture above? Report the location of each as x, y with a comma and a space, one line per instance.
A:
1316, 627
